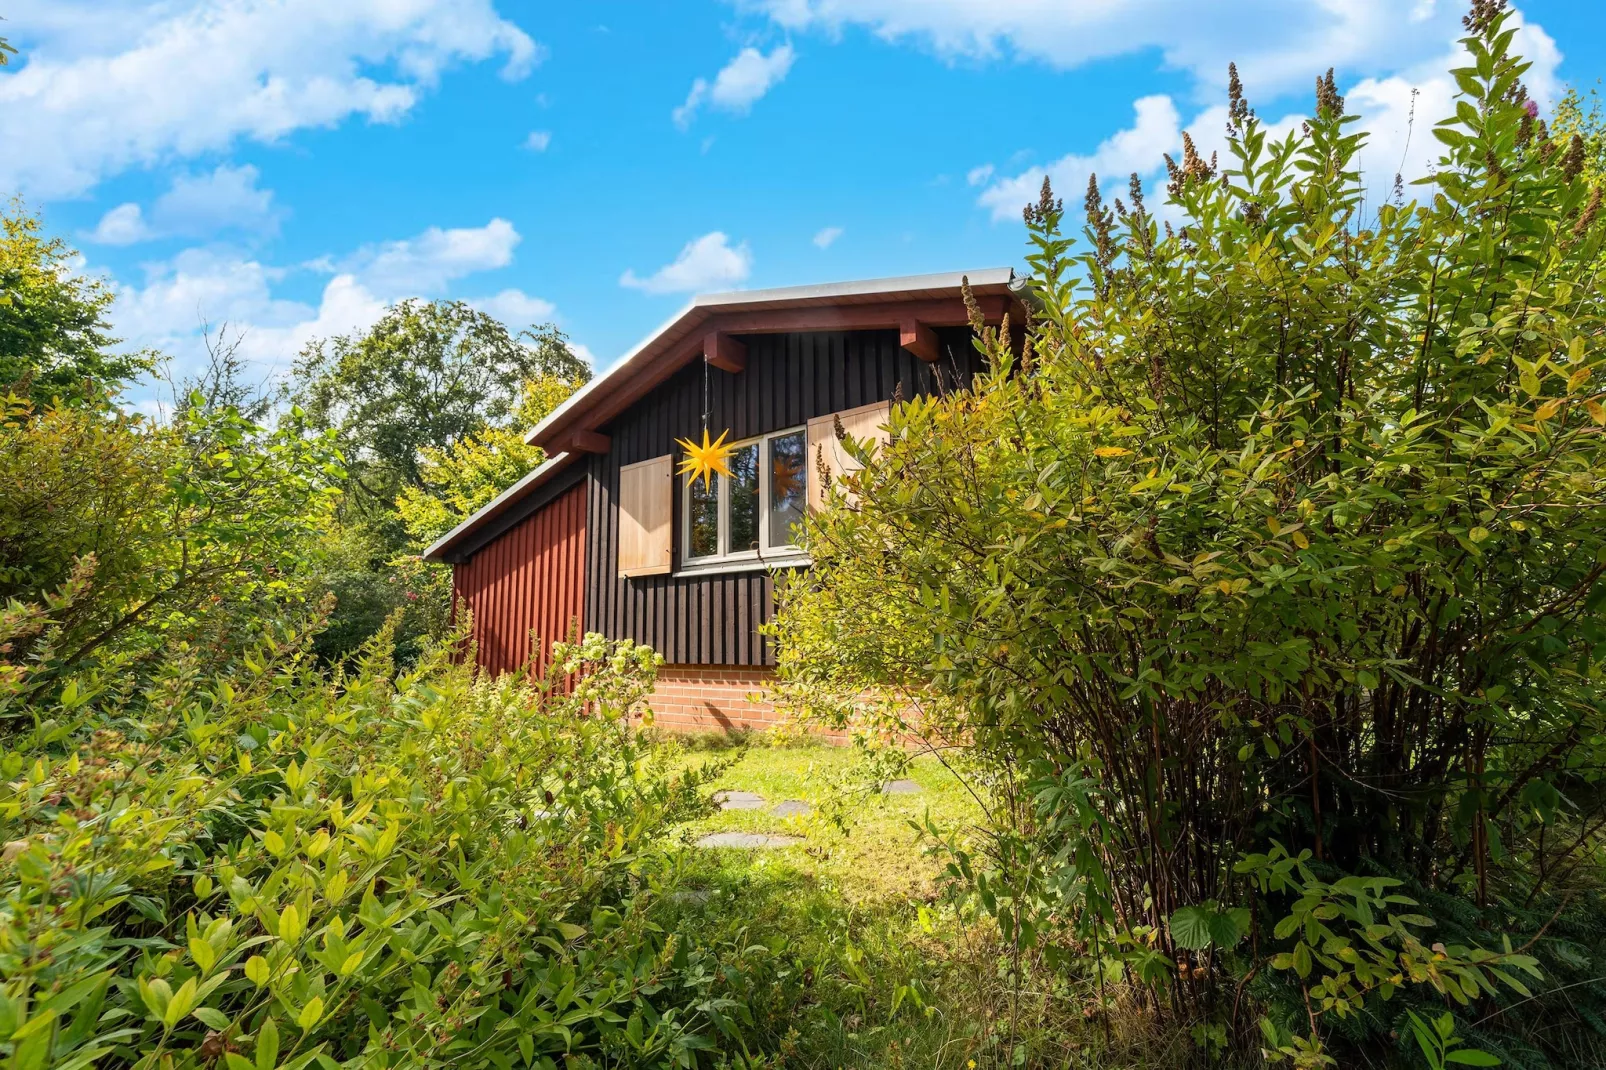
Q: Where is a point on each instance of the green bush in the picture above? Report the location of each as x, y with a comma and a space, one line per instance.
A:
1283, 531
187, 529
274, 867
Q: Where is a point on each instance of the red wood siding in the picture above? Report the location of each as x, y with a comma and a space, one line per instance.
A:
530, 578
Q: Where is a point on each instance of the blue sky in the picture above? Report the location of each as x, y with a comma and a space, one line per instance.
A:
289, 166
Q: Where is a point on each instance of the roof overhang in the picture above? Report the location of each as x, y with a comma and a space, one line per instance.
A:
928, 300
703, 328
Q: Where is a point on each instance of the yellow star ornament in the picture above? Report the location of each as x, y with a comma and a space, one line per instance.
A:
705, 461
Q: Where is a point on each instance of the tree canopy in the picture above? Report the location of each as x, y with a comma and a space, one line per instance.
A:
428, 375
55, 341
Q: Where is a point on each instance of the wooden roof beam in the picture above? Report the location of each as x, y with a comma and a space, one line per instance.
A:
589, 442
724, 352
919, 339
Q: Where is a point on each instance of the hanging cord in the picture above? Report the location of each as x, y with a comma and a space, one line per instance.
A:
707, 396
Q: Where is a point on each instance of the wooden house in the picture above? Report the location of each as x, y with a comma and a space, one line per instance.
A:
605, 537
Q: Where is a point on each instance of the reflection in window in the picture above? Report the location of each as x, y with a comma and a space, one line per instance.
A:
788, 486
744, 499
748, 515
703, 510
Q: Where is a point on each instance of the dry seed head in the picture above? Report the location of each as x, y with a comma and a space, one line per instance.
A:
1587, 218
1238, 110
972, 309
1046, 208
1328, 100
1482, 14
1572, 164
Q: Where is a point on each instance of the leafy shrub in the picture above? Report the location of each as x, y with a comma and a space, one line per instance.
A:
189, 528
1285, 527
274, 867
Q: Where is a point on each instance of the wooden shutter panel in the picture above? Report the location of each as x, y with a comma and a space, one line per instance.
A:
864, 422
646, 497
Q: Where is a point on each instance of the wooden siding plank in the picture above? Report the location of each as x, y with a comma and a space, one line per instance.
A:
532, 578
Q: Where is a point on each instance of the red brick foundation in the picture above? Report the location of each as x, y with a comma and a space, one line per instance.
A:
701, 698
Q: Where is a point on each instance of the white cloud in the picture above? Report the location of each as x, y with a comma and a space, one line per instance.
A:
1277, 45
826, 236
977, 176
1397, 112
516, 308
100, 91
706, 263
425, 264
1156, 129
123, 225
739, 84
227, 198
538, 141
216, 285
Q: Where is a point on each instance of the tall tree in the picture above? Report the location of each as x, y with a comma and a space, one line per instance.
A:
475, 469
54, 338
426, 376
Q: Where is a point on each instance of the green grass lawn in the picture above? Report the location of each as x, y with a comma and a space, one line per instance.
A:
852, 913
875, 969
878, 861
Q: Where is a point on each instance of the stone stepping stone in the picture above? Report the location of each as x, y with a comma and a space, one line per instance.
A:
902, 787
739, 800
792, 808
746, 840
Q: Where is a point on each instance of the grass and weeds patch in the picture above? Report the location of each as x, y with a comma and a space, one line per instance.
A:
869, 961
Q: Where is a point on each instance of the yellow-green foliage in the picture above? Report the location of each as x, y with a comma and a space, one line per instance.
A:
268, 867
460, 478
186, 527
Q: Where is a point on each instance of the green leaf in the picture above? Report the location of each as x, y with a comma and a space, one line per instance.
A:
256, 968
1190, 928
1471, 1057
213, 1018
289, 924
204, 954
310, 1013
1227, 927
267, 1046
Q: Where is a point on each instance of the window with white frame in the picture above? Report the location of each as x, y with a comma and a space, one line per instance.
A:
751, 515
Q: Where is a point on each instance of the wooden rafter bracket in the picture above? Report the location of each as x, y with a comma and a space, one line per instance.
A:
919, 339
724, 352
589, 442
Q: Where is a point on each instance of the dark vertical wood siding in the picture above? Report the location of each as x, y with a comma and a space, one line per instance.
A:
529, 578
790, 378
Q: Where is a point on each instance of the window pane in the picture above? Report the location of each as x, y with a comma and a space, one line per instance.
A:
789, 486
704, 508
744, 499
